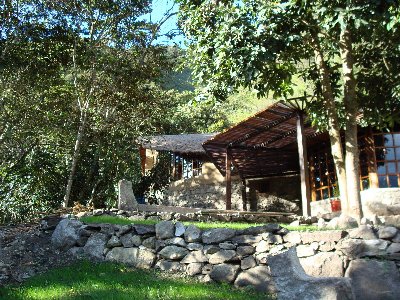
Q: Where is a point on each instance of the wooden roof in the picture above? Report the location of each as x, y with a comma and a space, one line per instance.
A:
262, 145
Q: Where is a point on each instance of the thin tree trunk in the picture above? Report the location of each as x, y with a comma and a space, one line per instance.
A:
351, 105
75, 158
333, 123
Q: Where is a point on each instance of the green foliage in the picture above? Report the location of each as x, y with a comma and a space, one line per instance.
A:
87, 280
269, 47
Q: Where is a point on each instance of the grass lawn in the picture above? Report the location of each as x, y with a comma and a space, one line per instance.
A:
201, 225
86, 280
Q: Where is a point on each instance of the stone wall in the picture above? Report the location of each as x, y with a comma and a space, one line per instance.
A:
370, 256
278, 194
205, 191
382, 203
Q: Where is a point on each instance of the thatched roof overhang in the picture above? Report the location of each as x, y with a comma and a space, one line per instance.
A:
177, 143
263, 145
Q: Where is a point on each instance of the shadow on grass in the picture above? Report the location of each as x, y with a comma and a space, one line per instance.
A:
85, 280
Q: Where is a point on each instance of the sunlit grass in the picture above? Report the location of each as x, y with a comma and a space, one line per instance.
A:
85, 280
201, 225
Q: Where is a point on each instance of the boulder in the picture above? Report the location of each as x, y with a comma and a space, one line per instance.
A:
322, 236
258, 277
364, 232
393, 248
272, 227
194, 257
66, 234
342, 222
126, 198
194, 268
150, 242
165, 230
114, 242
247, 263
211, 249
129, 240
227, 246
194, 246
293, 283
173, 252
305, 250
217, 235
224, 273
144, 229
292, 237
169, 266
323, 264
374, 279
95, 246
192, 234
136, 257
245, 250
388, 232
179, 229
355, 248
221, 256
263, 246
178, 241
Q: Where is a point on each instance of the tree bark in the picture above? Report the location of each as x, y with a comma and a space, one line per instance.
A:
351, 105
333, 124
75, 158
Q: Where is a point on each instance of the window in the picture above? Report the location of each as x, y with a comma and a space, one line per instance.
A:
323, 177
387, 153
185, 167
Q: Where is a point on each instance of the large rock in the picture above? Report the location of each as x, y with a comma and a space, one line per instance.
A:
222, 256
342, 222
247, 263
373, 279
224, 273
194, 269
258, 277
245, 250
194, 257
66, 234
129, 240
126, 198
140, 258
165, 230
179, 229
173, 252
305, 250
364, 232
95, 246
387, 232
323, 264
293, 283
322, 236
292, 237
144, 229
170, 266
192, 234
217, 235
355, 248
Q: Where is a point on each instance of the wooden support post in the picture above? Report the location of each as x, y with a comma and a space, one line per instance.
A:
228, 180
304, 171
142, 152
244, 195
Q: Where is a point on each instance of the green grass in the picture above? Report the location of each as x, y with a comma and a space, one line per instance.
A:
85, 280
201, 225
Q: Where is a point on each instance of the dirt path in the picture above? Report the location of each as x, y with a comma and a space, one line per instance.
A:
26, 250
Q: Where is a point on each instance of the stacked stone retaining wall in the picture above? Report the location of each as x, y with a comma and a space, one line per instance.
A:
369, 255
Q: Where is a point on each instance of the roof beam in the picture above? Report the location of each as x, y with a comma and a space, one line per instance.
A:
263, 129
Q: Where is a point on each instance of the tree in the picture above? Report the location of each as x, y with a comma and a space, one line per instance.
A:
263, 45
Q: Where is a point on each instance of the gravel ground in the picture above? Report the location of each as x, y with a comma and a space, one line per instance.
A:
26, 250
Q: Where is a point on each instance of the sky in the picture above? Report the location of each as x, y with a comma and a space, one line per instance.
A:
160, 8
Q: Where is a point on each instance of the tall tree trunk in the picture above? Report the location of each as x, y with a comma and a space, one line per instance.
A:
75, 158
351, 105
333, 123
